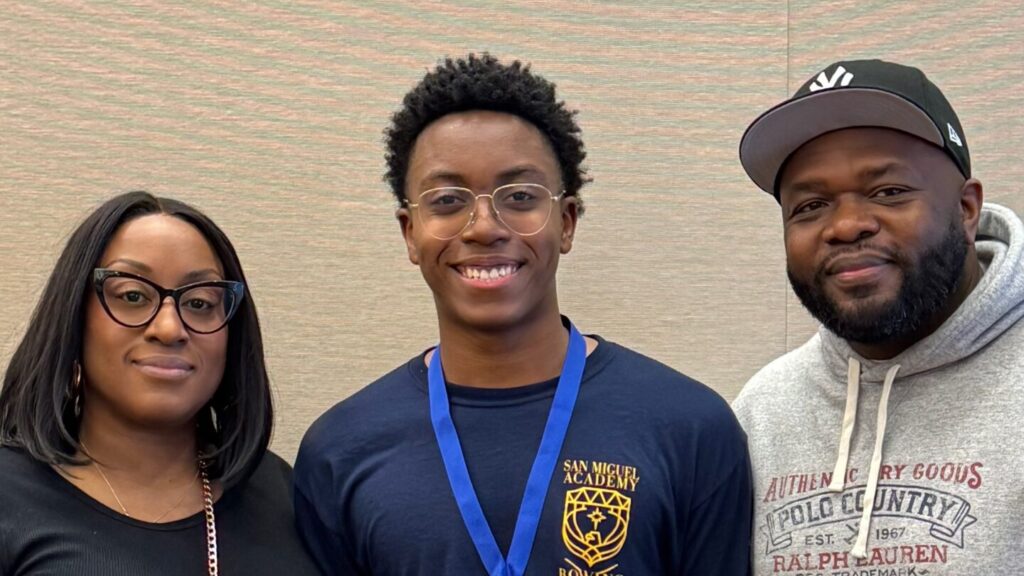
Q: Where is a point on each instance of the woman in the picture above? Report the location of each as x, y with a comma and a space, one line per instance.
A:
136, 412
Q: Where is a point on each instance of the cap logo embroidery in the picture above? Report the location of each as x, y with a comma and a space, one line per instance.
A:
953, 136
840, 77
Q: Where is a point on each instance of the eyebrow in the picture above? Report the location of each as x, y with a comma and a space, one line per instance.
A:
867, 174
193, 276
513, 173
129, 262
442, 175
876, 172
504, 177
204, 274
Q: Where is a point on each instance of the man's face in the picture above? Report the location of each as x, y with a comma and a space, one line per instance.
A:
874, 232
487, 277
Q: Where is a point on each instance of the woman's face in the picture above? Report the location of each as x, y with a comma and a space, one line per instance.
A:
160, 375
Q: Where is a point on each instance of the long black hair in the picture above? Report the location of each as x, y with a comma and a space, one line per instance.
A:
36, 404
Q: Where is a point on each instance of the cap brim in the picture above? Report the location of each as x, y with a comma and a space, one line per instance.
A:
777, 133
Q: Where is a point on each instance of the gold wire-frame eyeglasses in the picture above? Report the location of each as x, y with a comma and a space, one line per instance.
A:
447, 211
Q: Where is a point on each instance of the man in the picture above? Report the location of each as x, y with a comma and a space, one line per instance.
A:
884, 445
517, 446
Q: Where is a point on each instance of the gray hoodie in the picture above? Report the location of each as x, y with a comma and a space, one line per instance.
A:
933, 437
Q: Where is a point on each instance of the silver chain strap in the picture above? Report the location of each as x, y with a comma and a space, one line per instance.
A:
211, 523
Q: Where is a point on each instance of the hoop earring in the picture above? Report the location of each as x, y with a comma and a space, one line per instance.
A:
76, 389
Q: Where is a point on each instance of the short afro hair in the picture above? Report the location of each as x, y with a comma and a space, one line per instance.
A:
483, 83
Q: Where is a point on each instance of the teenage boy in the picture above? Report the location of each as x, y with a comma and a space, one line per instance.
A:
517, 445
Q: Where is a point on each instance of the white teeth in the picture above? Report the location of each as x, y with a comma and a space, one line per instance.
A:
476, 273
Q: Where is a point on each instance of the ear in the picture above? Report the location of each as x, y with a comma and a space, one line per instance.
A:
406, 223
971, 198
570, 214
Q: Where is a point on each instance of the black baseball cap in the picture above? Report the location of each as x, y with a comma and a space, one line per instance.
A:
852, 94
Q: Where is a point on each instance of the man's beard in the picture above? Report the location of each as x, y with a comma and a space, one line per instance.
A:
928, 284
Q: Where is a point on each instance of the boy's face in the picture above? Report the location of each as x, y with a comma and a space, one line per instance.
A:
486, 276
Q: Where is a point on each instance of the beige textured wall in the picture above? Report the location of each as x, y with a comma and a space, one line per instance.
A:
269, 118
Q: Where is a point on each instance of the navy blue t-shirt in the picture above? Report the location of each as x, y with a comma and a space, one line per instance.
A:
653, 478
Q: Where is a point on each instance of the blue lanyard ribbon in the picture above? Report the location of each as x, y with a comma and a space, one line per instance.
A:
540, 475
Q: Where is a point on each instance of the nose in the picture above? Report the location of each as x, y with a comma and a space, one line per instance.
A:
851, 220
167, 327
485, 226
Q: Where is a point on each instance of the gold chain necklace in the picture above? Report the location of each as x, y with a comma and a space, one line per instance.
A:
109, 486
212, 564
124, 510
211, 523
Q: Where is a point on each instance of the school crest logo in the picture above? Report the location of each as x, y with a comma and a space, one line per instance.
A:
595, 523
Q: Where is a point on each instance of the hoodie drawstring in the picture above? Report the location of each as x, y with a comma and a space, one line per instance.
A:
849, 419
